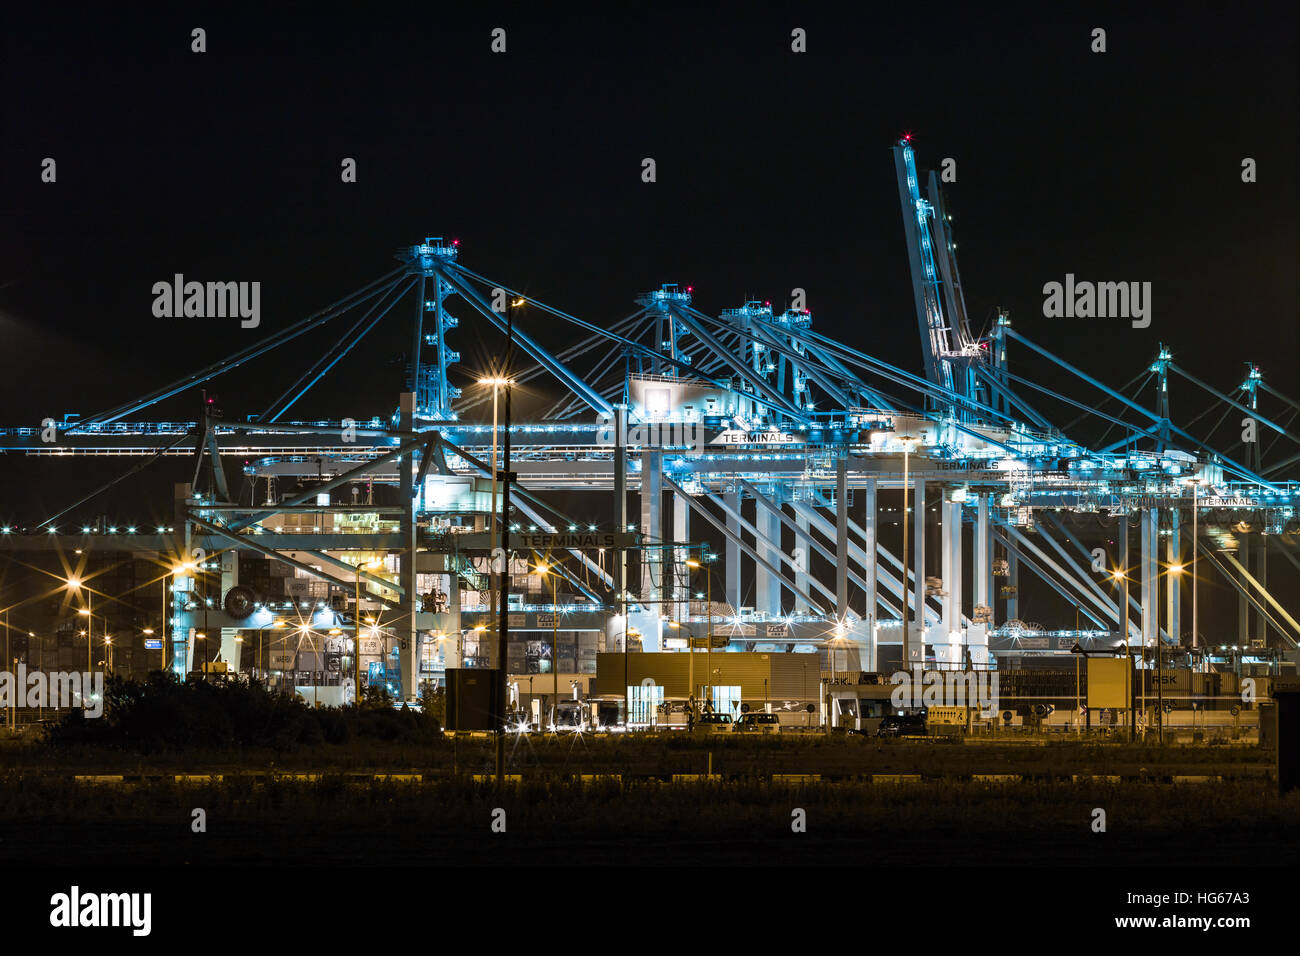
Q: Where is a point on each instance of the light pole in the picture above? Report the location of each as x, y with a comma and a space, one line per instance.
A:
708, 602
503, 627
356, 625
13, 714
497, 382
75, 584
1195, 483
1119, 574
1176, 570
549, 571
907, 637
40, 706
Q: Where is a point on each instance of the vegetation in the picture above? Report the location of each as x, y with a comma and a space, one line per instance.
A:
164, 715
335, 819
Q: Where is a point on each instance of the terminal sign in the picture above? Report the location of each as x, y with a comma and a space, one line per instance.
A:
735, 436
575, 540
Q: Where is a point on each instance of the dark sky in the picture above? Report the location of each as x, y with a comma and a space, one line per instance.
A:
774, 171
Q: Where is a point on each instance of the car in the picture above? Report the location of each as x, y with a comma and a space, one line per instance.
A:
901, 725
713, 723
761, 723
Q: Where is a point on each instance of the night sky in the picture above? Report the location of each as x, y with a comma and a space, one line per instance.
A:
774, 171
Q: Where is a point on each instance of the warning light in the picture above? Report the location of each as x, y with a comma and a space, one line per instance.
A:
690, 288
455, 242
907, 137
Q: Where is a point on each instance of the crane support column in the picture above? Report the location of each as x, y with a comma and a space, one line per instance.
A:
981, 566
230, 647
183, 622
407, 635
733, 499
801, 575
1173, 585
1260, 631
1013, 582
951, 558
842, 538
1149, 538
869, 547
620, 524
681, 537
652, 528
1243, 602
917, 566
767, 598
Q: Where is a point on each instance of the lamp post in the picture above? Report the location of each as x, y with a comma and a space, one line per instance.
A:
503, 629
1119, 574
708, 603
88, 613
1176, 570
907, 637
356, 625
1195, 483
40, 706
497, 382
75, 584
13, 714
549, 571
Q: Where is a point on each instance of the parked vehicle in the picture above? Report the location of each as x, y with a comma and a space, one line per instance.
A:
714, 723
901, 725
761, 723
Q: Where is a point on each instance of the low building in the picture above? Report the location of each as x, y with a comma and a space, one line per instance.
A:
778, 683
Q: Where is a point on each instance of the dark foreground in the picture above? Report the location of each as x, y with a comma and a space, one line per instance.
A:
455, 822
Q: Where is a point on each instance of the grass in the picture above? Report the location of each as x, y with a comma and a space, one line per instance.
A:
659, 754
946, 823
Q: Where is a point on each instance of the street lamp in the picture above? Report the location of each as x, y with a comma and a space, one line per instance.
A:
708, 602
907, 441
1195, 483
356, 622
503, 621
75, 584
549, 571
497, 382
1175, 570
1119, 575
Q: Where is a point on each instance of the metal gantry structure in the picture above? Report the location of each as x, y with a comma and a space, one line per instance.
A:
750, 428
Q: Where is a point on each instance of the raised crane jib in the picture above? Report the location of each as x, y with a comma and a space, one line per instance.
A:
948, 347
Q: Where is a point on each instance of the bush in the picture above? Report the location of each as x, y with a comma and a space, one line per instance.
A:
164, 715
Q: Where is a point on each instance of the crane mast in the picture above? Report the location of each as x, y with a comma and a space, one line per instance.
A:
950, 352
